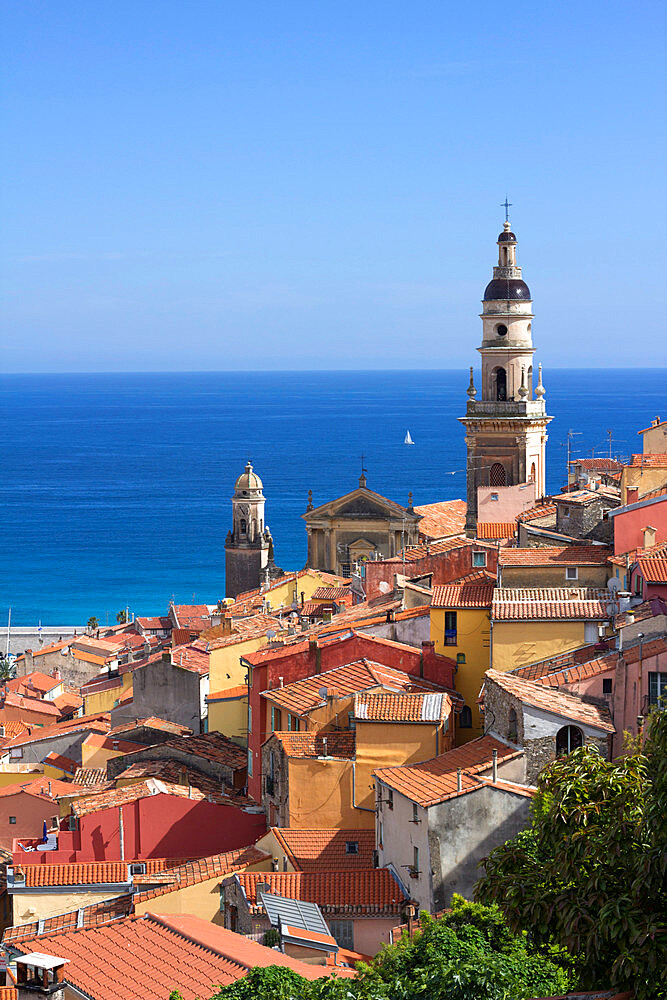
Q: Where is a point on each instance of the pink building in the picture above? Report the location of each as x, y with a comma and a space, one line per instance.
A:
640, 523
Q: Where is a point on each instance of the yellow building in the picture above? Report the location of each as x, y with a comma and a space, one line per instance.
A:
644, 473
98, 748
103, 694
461, 629
530, 625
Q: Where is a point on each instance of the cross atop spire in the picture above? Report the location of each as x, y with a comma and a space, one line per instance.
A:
506, 205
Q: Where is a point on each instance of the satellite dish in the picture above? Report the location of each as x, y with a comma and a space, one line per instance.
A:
270, 634
614, 585
323, 693
612, 608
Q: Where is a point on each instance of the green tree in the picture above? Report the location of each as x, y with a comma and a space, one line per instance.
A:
468, 953
121, 617
6, 669
93, 623
588, 875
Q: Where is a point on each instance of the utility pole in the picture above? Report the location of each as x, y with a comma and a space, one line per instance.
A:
609, 436
570, 435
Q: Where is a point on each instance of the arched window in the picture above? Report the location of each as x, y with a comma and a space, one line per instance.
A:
243, 527
530, 381
568, 739
497, 475
512, 727
465, 718
533, 473
501, 384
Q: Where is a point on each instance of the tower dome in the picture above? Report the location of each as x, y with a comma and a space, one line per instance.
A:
507, 288
507, 282
249, 480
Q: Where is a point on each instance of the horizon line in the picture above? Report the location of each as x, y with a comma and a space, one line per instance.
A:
314, 371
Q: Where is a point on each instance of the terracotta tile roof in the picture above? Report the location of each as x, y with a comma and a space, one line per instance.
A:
102, 741
413, 708
90, 776
240, 691
652, 564
86, 916
68, 702
131, 793
51, 648
154, 623
173, 772
561, 555
580, 654
538, 511
587, 496
152, 722
157, 954
48, 788
202, 869
14, 728
573, 672
558, 703
331, 593
216, 747
243, 629
34, 682
496, 529
312, 609
49, 732
436, 780
64, 763
463, 595
597, 464
443, 519
192, 658
661, 491
302, 696
88, 872
648, 461
326, 850
339, 745
28, 704
363, 892
425, 549
555, 604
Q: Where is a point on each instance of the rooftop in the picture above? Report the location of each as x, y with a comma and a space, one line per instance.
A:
442, 519
413, 708
203, 869
436, 780
463, 595
326, 850
339, 745
132, 793
496, 529
648, 461
367, 892
561, 555
550, 603
87, 873
559, 703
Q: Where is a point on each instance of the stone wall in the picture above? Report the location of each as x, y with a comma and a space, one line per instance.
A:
169, 692
275, 795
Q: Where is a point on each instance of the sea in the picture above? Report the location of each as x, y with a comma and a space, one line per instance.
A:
115, 489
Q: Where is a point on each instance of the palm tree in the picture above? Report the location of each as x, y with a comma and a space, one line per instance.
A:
93, 623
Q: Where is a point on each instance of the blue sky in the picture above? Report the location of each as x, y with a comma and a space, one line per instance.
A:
213, 185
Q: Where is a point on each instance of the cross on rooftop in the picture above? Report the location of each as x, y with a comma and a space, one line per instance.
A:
506, 205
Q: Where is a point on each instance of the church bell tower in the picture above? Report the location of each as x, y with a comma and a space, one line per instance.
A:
249, 547
505, 428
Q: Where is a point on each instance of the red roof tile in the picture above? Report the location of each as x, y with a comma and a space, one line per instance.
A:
443, 519
554, 604
192, 658
496, 529
131, 793
338, 744
87, 872
35, 682
367, 892
326, 850
49, 732
652, 563
202, 869
561, 555
538, 511
161, 725
331, 593
302, 696
463, 595
559, 703
598, 464
648, 461
436, 780
414, 708
64, 763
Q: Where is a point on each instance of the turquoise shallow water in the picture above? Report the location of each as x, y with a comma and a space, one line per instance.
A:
115, 489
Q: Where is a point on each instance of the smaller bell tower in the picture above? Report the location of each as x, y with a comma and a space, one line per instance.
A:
505, 428
249, 547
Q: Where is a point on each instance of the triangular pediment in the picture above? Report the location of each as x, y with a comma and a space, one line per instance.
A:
361, 503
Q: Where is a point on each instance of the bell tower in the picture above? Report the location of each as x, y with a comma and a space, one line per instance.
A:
249, 548
505, 428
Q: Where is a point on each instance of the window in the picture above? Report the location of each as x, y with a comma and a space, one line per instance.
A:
243, 527
276, 719
479, 559
390, 798
16, 753
565, 511
351, 721
351, 846
501, 329
345, 569
501, 391
568, 739
533, 473
512, 727
465, 719
72, 822
571, 573
450, 628
12, 820
657, 687
54, 822
380, 833
606, 685
415, 812
415, 862
138, 869
342, 932
460, 657
497, 474
495, 496
250, 763
591, 633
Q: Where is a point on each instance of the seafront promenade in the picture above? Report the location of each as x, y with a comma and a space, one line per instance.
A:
32, 637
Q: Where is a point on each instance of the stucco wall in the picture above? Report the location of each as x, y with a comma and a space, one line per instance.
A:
553, 576
511, 501
412, 631
515, 644
321, 796
389, 745
473, 642
164, 690
49, 904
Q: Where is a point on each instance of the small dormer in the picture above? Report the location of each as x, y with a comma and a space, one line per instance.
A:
37, 973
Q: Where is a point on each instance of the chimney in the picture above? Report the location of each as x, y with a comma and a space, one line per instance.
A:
50, 789
39, 974
632, 494
324, 747
262, 887
459, 783
495, 765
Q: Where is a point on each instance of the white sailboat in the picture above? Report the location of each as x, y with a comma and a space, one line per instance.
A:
408, 439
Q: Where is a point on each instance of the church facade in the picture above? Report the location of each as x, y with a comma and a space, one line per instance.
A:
506, 426
355, 527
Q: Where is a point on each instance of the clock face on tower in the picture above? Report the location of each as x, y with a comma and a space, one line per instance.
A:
243, 509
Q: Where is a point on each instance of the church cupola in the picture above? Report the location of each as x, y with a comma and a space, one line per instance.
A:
249, 547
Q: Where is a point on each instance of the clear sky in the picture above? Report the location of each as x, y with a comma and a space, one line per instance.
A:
207, 185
